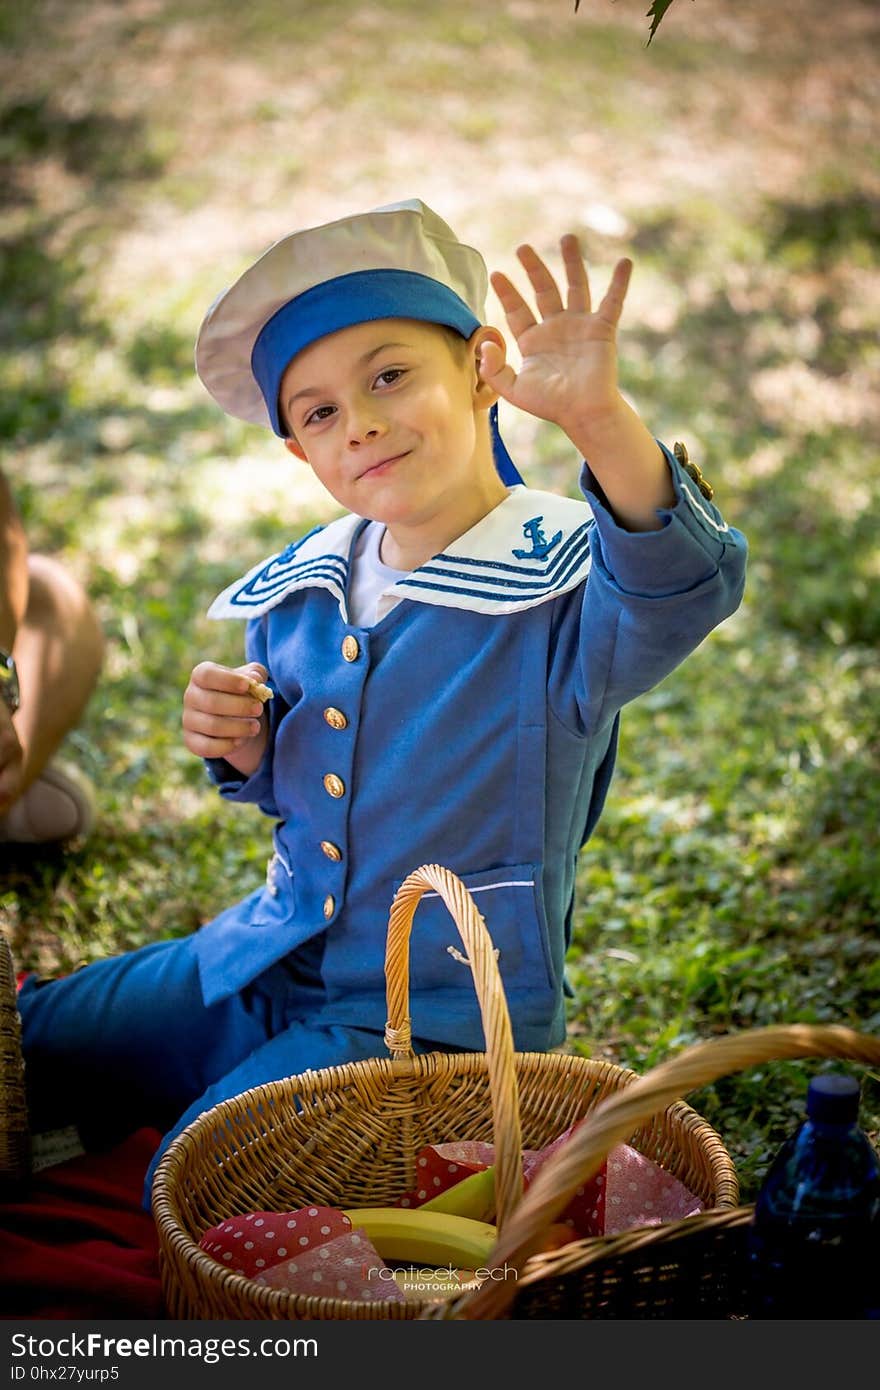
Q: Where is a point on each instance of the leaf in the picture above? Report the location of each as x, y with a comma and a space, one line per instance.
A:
655, 14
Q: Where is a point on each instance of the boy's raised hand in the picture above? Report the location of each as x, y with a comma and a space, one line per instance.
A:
569, 355
221, 719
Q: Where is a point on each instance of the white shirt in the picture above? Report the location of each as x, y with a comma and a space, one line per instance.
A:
370, 578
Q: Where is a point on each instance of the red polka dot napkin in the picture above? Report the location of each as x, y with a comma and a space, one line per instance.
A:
628, 1190
345, 1267
254, 1242
441, 1166
313, 1250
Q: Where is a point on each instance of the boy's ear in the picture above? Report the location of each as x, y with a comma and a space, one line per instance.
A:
296, 449
485, 395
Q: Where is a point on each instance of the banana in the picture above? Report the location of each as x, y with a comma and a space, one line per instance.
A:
474, 1196
425, 1237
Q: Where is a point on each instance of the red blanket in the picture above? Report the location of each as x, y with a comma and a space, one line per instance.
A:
78, 1243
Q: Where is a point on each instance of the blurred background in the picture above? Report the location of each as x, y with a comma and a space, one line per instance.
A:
150, 149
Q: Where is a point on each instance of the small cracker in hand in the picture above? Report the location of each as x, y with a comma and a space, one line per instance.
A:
260, 692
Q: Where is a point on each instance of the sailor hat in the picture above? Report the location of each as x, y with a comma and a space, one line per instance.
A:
398, 261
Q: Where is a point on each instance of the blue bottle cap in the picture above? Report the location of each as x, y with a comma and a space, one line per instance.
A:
833, 1099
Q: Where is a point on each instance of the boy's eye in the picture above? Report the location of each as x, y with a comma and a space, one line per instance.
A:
389, 376
316, 416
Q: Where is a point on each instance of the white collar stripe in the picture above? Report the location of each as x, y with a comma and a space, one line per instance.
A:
509, 593
253, 593
535, 583
265, 582
290, 571
577, 539
460, 591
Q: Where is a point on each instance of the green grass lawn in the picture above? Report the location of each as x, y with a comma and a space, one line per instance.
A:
735, 877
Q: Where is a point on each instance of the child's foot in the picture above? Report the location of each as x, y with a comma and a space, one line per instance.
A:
58, 805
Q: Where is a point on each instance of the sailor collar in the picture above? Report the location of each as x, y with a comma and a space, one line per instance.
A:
532, 547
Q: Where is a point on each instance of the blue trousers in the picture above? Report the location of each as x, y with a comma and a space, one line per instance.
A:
128, 1042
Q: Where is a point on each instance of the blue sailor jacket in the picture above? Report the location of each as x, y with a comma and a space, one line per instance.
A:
474, 725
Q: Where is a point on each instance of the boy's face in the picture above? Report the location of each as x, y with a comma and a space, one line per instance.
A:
391, 417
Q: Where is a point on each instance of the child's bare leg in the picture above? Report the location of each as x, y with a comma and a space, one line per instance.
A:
58, 651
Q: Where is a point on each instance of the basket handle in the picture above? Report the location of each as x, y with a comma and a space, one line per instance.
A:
617, 1117
493, 1011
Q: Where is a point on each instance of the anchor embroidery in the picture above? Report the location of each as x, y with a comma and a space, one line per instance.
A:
541, 547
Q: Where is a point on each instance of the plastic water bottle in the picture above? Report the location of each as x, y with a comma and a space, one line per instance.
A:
814, 1242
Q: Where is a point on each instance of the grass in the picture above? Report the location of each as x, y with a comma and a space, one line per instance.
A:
733, 879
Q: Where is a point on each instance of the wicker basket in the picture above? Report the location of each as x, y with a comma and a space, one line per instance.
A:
692, 1268
14, 1134
349, 1135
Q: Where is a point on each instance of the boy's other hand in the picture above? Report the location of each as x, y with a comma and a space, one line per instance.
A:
569, 355
221, 719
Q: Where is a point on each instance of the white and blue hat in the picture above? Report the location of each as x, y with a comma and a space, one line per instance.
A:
399, 261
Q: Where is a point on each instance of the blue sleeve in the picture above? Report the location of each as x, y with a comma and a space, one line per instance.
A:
650, 599
259, 788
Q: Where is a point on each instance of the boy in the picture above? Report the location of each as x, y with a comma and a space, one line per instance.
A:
447, 663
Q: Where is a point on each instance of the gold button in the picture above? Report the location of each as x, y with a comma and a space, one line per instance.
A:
334, 785
335, 718
693, 470
329, 905
351, 648
332, 851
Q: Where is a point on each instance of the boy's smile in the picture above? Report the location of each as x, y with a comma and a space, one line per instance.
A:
376, 470
392, 415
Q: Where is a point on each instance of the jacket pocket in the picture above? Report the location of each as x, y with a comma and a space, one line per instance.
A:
509, 900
